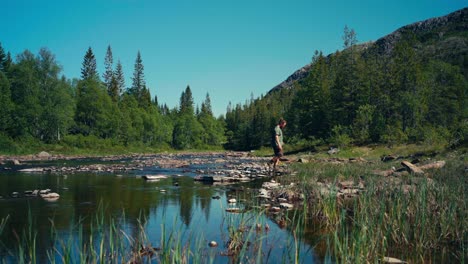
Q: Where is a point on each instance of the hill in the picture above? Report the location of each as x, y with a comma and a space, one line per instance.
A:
444, 38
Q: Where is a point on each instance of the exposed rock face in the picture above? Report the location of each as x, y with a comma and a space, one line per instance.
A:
456, 21
438, 29
289, 82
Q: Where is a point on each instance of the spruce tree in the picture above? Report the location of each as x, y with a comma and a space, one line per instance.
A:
206, 106
7, 63
108, 73
119, 78
186, 102
2, 57
88, 70
113, 89
6, 103
145, 98
138, 78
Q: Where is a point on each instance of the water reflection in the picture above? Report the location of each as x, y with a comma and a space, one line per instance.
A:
176, 203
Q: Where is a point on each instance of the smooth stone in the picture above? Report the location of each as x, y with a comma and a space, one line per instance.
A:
213, 244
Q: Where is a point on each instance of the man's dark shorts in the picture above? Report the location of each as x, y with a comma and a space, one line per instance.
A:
278, 152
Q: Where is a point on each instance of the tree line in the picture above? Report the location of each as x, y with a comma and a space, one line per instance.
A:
360, 96
353, 96
40, 105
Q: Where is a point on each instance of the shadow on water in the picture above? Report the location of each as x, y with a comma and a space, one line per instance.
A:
178, 202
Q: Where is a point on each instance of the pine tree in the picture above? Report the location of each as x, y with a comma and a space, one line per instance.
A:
155, 101
88, 70
108, 73
138, 78
7, 63
145, 98
6, 103
186, 102
206, 106
2, 57
119, 78
113, 89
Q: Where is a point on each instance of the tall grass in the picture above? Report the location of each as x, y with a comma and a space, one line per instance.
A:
418, 219
100, 238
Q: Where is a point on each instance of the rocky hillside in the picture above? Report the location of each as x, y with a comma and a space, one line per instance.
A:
444, 38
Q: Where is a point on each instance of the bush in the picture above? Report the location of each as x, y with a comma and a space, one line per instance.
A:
394, 135
340, 136
88, 142
436, 136
7, 145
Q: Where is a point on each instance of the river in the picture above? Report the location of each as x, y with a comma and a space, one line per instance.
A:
117, 194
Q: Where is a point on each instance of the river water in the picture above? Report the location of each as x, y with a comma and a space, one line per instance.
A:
193, 211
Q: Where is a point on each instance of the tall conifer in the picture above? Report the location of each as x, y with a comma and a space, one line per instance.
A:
138, 78
119, 78
88, 69
109, 72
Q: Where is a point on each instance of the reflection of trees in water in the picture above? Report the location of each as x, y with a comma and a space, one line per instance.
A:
90, 199
186, 200
205, 195
24, 212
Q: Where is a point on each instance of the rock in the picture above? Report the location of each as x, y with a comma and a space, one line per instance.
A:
434, 165
213, 244
346, 184
263, 193
233, 210
154, 177
287, 206
232, 200
46, 191
333, 151
282, 200
32, 170
43, 154
392, 260
16, 162
204, 178
270, 185
275, 209
412, 168
31, 193
50, 195
302, 160
217, 197
388, 158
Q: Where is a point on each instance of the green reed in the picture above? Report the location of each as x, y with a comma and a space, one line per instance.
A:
416, 218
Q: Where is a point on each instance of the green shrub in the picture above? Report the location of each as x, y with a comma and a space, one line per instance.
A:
394, 135
340, 136
7, 145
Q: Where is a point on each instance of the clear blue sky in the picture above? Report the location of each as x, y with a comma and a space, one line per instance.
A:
229, 49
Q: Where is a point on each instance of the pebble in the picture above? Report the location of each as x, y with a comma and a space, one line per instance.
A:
213, 244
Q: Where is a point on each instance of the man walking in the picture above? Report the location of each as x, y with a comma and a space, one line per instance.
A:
277, 142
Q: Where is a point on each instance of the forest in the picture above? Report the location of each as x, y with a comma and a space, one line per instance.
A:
358, 95
361, 95
40, 106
